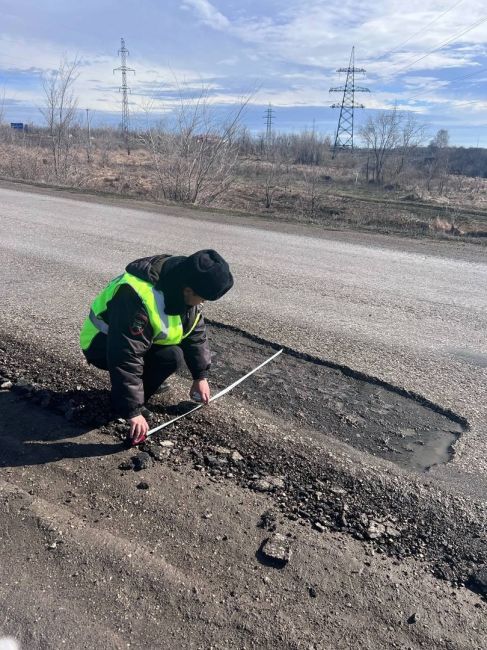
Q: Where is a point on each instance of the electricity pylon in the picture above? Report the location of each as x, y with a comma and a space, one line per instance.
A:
269, 116
124, 89
344, 133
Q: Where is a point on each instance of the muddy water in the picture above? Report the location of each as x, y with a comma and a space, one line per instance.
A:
371, 417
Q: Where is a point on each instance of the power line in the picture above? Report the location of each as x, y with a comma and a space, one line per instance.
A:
442, 44
454, 103
450, 81
475, 101
420, 31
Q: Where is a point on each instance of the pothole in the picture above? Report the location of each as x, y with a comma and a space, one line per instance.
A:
369, 415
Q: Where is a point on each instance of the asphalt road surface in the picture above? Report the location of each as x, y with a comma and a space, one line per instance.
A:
413, 313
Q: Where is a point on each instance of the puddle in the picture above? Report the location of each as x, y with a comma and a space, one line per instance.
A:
369, 416
428, 448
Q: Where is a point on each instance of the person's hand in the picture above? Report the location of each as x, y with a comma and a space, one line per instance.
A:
138, 430
201, 387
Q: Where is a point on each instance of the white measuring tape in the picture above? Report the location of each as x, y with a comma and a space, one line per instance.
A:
212, 399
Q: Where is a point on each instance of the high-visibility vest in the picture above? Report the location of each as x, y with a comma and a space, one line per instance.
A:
166, 329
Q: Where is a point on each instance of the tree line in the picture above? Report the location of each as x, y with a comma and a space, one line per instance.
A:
196, 156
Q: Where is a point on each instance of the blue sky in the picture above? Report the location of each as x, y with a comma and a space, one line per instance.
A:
428, 56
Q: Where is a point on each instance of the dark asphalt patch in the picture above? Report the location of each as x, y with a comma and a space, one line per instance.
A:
363, 412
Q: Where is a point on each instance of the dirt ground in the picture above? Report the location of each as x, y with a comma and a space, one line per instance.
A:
104, 546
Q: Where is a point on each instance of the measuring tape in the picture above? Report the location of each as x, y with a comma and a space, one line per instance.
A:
217, 396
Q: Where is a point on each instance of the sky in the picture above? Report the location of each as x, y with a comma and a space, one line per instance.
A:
424, 56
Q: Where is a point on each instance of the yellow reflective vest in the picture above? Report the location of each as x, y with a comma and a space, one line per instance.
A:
166, 329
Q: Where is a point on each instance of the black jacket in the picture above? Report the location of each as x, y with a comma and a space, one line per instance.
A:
130, 333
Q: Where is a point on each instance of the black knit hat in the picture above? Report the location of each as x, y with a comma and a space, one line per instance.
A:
207, 273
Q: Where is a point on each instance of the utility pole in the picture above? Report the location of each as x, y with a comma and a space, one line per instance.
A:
124, 89
344, 133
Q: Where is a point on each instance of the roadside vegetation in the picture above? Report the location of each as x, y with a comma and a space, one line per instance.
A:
395, 181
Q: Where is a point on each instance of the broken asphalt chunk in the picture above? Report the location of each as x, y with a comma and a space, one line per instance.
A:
260, 485
267, 484
215, 461
236, 457
141, 461
276, 550
268, 521
375, 530
159, 454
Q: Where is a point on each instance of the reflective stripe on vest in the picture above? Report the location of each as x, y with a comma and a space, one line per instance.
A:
100, 324
166, 329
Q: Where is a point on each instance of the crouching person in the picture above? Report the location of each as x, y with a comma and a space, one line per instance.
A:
147, 322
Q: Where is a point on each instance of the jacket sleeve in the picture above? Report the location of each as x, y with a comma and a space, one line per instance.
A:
196, 351
129, 338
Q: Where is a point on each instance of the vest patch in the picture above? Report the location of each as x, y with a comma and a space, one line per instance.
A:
139, 322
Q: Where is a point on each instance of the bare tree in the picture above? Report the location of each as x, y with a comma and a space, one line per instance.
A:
412, 134
381, 136
59, 111
313, 192
271, 172
437, 161
391, 137
195, 156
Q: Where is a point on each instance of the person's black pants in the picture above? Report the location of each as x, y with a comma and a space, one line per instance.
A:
160, 362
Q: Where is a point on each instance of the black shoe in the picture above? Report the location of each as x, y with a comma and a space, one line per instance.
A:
163, 388
146, 413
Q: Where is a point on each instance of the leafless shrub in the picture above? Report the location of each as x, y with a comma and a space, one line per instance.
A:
305, 148
391, 137
313, 191
195, 157
272, 178
437, 162
440, 225
59, 111
2, 108
22, 163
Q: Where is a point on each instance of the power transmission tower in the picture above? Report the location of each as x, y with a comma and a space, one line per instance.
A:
344, 133
124, 89
269, 117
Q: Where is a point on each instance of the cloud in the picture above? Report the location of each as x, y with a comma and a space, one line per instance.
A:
287, 48
207, 13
